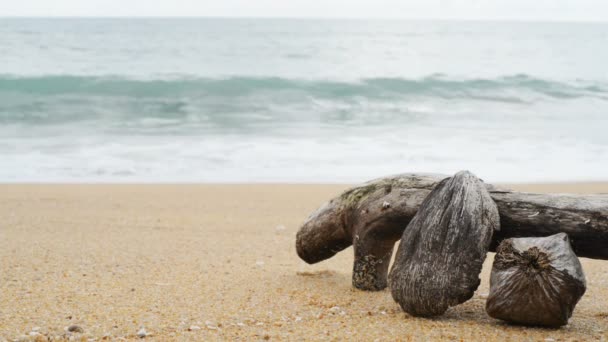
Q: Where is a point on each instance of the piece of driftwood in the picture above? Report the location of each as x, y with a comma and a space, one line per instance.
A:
535, 281
443, 248
373, 216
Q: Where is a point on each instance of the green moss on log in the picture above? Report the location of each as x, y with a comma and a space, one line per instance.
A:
351, 198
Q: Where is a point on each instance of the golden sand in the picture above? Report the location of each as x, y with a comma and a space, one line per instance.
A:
216, 262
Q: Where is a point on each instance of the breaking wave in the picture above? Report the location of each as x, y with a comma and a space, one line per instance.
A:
434, 85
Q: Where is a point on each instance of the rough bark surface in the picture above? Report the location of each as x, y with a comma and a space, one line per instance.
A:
443, 248
535, 281
373, 216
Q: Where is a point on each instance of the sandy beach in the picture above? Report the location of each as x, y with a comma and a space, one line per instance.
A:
217, 262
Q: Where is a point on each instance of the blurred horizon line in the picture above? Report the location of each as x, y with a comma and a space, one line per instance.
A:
310, 18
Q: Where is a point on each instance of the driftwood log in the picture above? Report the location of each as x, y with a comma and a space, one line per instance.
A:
535, 281
373, 216
443, 248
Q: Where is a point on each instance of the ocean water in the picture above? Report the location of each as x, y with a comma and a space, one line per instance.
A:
277, 100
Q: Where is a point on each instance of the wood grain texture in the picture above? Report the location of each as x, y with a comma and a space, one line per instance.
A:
443, 248
535, 281
373, 216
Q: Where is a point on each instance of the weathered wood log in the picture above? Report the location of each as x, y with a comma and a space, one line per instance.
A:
373, 216
443, 248
535, 281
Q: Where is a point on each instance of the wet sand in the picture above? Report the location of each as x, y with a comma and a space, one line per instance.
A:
217, 262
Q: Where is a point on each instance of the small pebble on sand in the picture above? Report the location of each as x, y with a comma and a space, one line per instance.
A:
142, 333
210, 325
75, 328
194, 327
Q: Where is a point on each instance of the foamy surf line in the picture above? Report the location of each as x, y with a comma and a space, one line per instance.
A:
516, 128
255, 160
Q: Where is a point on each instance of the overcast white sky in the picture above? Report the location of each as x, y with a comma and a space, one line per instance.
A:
577, 10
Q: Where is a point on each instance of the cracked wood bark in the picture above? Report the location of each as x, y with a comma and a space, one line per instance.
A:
373, 216
535, 281
443, 248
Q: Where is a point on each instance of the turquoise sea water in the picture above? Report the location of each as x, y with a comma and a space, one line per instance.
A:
256, 100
